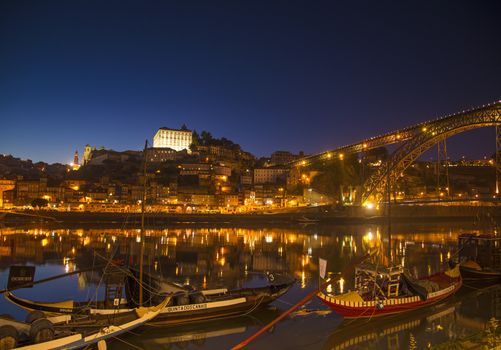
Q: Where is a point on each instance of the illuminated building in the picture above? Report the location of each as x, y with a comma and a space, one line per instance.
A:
87, 153
246, 179
269, 175
177, 139
75, 165
5, 185
264, 194
222, 170
161, 154
28, 190
284, 157
227, 200
75, 158
200, 169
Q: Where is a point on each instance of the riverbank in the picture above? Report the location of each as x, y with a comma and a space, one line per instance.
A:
307, 216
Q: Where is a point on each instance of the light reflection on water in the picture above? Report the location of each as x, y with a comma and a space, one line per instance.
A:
232, 257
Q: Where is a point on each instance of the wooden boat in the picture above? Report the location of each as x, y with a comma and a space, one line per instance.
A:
185, 306
189, 306
480, 258
383, 291
41, 333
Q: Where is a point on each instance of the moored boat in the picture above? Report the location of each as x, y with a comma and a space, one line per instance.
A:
480, 258
210, 304
186, 306
42, 333
383, 291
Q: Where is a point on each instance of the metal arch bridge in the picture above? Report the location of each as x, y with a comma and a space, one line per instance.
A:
414, 141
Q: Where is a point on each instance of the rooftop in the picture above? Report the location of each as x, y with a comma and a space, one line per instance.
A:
171, 129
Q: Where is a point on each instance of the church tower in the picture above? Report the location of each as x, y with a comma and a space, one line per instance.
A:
75, 158
87, 153
75, 165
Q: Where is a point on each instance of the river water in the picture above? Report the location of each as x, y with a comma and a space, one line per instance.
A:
234, 257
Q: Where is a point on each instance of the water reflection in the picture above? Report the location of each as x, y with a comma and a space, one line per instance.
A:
449, 322
230, 257
197, 335
202, 253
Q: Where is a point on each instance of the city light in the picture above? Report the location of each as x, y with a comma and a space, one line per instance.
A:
369, 205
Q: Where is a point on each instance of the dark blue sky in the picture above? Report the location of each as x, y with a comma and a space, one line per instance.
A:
269, 75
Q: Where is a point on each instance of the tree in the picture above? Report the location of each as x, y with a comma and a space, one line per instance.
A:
206, 138
337, 174
195, 139
39, 202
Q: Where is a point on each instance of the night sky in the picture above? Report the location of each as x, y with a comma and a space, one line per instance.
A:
269, 75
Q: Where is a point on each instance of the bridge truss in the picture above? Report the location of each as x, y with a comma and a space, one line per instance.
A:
414, 141
429, 135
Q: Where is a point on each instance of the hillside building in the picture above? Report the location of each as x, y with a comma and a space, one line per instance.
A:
269, 175
176, 139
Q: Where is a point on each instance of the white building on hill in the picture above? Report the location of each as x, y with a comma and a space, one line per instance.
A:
177, 139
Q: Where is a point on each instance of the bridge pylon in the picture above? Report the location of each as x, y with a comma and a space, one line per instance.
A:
442, 176
498, 157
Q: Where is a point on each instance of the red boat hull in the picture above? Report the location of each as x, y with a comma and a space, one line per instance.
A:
361, 309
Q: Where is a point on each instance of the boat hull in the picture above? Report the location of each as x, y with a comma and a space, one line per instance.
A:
210, 310
483, 276
369, 309
238, 302
77, 339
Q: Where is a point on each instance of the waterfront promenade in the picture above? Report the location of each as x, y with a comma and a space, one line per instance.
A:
303, 216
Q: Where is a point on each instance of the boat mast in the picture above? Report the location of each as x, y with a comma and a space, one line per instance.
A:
143, 199
388, 198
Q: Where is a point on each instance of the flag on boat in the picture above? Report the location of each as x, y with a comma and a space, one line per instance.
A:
322, 267
21, 276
